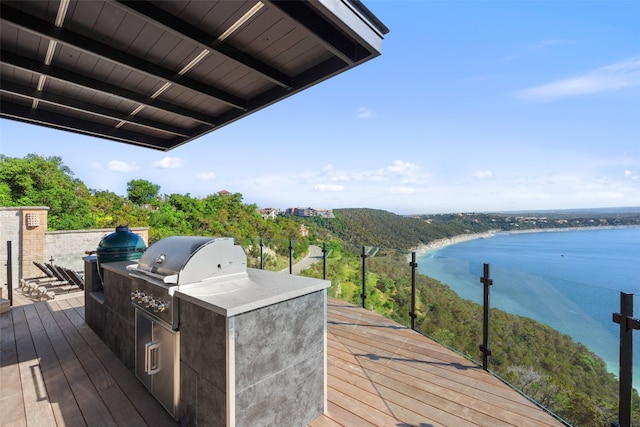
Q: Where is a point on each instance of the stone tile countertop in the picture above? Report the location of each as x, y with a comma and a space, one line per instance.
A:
250, 291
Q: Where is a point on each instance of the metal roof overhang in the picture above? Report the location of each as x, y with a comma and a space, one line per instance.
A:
162, 73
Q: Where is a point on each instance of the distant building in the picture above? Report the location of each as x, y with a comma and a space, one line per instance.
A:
268, 213
223, 193
305, 212
304, 232
310, 212
324, 213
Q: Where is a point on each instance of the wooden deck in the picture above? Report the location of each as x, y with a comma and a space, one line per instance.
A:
383, 374
54, 371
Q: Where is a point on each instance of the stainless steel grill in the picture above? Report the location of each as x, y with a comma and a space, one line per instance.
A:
167, 266
182, 261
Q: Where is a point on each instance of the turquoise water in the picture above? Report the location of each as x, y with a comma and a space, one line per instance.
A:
570, 280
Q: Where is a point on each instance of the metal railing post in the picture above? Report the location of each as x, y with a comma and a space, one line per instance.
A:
290, 256
261, 255
627, 325
324, 260
412, 313
484, 347
9, 274
364, 276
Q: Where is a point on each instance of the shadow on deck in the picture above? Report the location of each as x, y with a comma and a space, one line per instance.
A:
55, 371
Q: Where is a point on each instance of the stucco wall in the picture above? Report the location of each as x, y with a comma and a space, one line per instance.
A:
68, 247
26, 229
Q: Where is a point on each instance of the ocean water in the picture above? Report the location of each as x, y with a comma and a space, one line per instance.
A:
569, 280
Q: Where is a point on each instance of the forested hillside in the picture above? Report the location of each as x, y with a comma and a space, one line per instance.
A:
40, 181
373, 227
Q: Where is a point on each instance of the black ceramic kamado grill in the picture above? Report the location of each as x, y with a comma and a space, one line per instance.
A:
178, 262
122, 245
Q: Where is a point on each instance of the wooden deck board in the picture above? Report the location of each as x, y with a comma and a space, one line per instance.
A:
58, 389
114, 402
93, 408
406, 373
399, 392
55, 371
11, 398
412, 374
36, 405
139, 397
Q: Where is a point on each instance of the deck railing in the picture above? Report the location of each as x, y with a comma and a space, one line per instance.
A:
561, 304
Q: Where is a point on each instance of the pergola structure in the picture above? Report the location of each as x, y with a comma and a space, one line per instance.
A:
162, 73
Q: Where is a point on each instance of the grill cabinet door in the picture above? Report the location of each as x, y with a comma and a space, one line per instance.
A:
144, 335
157, 360
164, 381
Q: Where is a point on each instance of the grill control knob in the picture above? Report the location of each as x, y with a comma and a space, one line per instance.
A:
159, 306
142, 297
138, 294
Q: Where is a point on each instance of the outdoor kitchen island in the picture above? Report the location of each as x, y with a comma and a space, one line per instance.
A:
251, 344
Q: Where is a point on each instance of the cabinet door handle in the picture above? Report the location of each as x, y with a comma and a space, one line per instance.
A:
151, 365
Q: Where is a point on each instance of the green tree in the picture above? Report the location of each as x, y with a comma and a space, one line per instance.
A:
110, 210
45, 181
166, 221
142, 192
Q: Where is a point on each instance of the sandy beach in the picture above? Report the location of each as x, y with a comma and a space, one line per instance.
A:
441, 243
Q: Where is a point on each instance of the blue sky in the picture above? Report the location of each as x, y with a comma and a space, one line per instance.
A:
473, 106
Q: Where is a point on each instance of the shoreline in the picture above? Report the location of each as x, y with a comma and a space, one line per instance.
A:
448, 241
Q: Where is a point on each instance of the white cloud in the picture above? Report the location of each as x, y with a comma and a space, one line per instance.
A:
333, 186
169, 163
408, 172
402, 168
383, 187
364, 113
631, 174
206, 176
366, 175
397, 175
329, 187
120, 166
616, 76
483, 174
327, 172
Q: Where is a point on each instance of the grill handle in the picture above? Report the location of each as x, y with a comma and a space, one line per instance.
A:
151, 365
145, 275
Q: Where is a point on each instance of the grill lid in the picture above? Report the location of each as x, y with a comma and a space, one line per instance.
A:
182, 260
